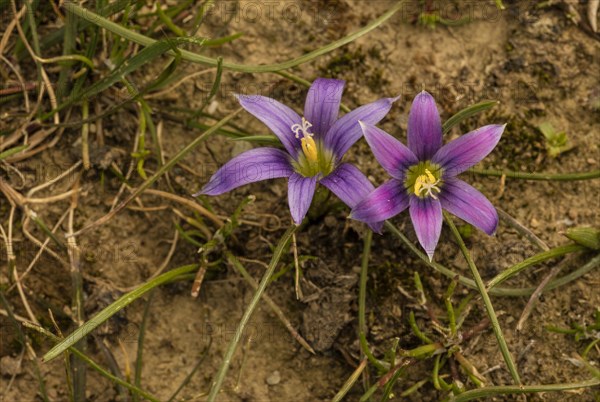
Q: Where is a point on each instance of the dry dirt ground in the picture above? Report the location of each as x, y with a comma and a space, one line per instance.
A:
535, 61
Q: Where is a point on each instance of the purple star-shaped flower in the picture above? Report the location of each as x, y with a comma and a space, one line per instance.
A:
314, 146
424, 175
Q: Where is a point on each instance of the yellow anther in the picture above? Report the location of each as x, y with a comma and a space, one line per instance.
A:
426, 183
430, 176
419, 183
310, 148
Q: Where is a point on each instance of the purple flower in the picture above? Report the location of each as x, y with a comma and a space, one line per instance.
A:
424, 175
314, 146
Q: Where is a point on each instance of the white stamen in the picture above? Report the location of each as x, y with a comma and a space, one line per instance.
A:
302, 129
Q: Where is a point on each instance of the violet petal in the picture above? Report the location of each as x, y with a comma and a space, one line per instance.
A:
346, 130
322, 104
300, 194
351, 186
426, 216
393, 155
464, 201
275, 115
385, 202
424, 127
467, 150
249, 167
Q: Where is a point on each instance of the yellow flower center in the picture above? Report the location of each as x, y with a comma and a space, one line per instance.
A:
426, 183
309, 147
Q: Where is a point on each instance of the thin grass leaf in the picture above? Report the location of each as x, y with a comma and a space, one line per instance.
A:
168, 21
144, 56
167, 73
277, 254
496, 291
69, 42
115, 307
594, 174
585, 236
223, 40
350, 382
502, 345
214, 89
488, 392
139, 361
11, 151
54, 38
259, 139
92, 363
546, 255
466, 113
23, 341
197, 58
188, 378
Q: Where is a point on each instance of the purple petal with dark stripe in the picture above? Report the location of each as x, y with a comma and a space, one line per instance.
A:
351, 186
469, 149
346, 130
300, 194
248, 167
424, 127
384, 202
275, 115
322, 104
464, 201
393, 155
426, 216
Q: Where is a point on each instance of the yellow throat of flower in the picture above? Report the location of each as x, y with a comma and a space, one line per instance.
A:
426, 183
309, 147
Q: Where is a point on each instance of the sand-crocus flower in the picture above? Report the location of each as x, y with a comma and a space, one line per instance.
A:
314, 146
424, 175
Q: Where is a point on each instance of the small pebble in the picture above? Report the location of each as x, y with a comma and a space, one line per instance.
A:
330, 221
274, 378
10, 366
534, 223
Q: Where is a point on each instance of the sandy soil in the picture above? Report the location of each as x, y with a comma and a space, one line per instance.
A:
536, 62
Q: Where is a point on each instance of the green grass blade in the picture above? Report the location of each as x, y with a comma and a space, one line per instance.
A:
197, 58
213, 90
488, 392
139, 365
350, 382
144, 56
546, 255
260, 139
223, 40
496, 291
111, 310
218, 381
508, 359
12, 151
54, 38
594, 174
466, 113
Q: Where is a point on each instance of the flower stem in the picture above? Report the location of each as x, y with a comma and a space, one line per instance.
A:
218, 382
595, 174
362, 290
486, 301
